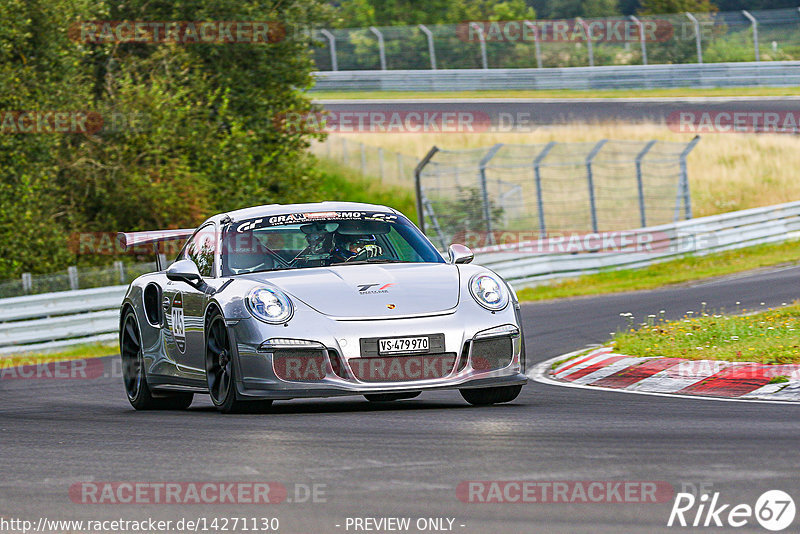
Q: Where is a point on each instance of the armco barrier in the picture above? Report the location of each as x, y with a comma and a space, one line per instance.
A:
698, 236
53, 320
749, 74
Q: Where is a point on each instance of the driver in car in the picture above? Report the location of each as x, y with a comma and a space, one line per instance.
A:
355, 247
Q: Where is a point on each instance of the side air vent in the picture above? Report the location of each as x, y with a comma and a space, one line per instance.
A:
152, 304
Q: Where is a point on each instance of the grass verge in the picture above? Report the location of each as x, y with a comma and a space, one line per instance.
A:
77, 352
677, 271
345, 184
561, 93
769, 337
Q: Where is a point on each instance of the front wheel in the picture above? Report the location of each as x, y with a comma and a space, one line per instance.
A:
134, 376
495, 395
221, 372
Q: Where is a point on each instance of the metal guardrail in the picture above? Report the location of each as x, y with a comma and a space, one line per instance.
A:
55, 320
745, 74
524, 264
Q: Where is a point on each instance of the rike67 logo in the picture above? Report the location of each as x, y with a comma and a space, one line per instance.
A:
774, 510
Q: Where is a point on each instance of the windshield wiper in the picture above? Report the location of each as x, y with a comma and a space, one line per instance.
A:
372, 260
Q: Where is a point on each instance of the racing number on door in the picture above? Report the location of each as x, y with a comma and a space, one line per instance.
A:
178, 324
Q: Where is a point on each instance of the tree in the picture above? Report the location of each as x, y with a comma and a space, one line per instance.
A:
661, 7
569, 9
362, 13
189, 129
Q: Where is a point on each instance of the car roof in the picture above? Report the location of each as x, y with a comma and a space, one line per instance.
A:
311, 207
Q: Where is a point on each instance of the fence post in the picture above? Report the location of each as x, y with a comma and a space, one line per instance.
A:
536, 44
754, 23
27, 282
363, 158
120, 267
482, 39
640, 184
588, 39
381, 48
642, 40
332, 46
418, 184
696, 36
590, 181
684, 179
72, 272
399, 165
487, 210
380, 162
431, 48
537, 176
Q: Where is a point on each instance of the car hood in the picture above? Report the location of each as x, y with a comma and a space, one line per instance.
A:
377, 290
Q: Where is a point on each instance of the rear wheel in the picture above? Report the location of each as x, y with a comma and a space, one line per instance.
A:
495, 395
134, 376
389, 397
221, 372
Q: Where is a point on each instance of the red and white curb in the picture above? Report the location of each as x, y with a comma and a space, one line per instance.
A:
602, 368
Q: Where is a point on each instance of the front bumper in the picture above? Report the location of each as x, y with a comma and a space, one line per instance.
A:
341, 354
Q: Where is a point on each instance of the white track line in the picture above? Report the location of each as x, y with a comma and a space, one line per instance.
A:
540, 373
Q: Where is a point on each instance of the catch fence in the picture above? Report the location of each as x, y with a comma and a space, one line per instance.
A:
471, 196
729, 36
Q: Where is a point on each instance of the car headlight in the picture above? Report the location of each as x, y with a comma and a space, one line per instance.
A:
270, 305
489, 292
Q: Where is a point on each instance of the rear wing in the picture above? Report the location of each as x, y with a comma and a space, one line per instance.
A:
129, 240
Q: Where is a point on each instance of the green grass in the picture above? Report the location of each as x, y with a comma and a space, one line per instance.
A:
677, 271
77, 352
345, 184
561, 93
769, 337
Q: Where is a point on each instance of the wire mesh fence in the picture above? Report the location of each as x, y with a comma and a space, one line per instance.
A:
75, 278
373, 161
729, 36
529, 191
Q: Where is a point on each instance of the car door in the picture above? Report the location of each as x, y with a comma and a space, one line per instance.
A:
184, 306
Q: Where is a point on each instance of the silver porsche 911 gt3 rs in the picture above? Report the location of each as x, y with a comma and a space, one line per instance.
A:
316, 300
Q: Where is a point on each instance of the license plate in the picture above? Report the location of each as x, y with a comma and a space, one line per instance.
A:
403, 344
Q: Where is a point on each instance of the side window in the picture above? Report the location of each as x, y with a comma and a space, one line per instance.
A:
201, 250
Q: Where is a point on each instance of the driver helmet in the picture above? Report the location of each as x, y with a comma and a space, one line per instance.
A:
350, 245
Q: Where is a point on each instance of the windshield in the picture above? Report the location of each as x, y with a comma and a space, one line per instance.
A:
302, 240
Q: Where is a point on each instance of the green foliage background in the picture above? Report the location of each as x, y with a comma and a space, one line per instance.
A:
188, 129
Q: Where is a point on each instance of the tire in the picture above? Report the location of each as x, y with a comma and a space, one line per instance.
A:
389, 397
134, 376
486, 396
221, 372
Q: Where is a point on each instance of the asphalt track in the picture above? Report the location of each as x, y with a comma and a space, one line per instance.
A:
505, 112
406, 459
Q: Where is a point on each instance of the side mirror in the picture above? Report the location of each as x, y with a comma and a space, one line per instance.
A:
460, 254
185, 271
